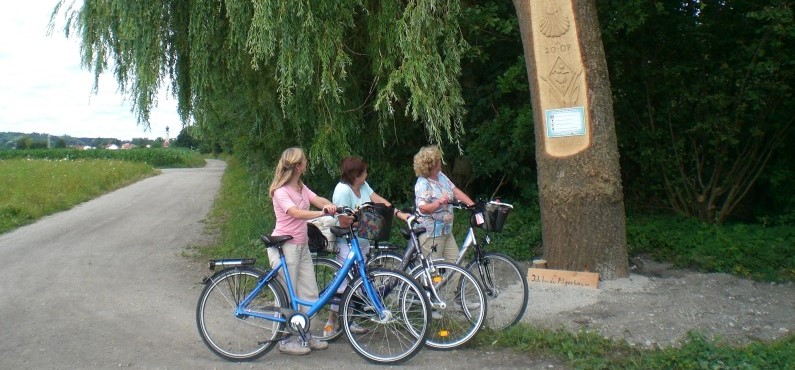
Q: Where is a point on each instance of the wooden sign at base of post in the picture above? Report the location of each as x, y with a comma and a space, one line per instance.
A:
563, 277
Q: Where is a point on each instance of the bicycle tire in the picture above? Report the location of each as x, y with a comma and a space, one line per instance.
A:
238, 337
465, 308
386, 260
399, 335
326, 270
505, 287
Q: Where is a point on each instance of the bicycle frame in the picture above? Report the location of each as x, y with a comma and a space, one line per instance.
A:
414, 251
471, 239
354, 259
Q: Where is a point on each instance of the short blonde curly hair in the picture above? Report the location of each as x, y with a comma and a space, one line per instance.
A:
426, 159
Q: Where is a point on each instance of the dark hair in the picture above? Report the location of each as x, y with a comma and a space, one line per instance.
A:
351, 168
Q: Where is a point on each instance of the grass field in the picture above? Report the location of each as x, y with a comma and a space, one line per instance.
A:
34, 188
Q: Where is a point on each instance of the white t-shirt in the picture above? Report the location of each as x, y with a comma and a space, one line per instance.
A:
344, 195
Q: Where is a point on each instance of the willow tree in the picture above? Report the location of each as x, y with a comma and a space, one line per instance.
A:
267, 74
579, 180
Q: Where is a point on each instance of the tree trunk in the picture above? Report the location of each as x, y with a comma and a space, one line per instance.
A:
579, 179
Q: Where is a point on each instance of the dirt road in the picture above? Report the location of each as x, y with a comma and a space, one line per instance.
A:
105, 285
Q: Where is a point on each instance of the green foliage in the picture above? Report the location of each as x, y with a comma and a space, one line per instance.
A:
499, 139
700, 353
268, 75
34, 188
159, 158
189, 138
702, 91
703, 98
746, 250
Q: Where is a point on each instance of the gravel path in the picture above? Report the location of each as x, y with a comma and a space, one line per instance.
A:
658, 306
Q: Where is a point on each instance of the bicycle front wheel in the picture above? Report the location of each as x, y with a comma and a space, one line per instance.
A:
458, 304
398, 332
505, 286
239, 337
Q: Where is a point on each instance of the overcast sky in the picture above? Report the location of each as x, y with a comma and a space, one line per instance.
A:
43, 88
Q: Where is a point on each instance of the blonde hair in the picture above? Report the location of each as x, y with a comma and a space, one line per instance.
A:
290, 159
425, 159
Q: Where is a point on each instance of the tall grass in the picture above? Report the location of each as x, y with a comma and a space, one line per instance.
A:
32, 189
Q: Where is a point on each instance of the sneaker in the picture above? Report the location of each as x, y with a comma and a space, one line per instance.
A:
317, 344
293, 348
358, 329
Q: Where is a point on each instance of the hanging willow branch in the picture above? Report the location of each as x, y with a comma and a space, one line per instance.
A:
332, 68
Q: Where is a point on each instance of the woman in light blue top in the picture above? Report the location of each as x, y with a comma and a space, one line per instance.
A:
433, 193
353, 191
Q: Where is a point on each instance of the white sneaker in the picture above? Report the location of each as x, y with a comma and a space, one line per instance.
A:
293, 348
317, 344
358, 329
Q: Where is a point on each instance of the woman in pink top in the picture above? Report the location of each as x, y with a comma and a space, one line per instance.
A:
291, 202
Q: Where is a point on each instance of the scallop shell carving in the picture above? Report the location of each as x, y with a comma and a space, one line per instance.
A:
553, 22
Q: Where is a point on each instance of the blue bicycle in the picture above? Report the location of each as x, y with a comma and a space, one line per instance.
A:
243, 311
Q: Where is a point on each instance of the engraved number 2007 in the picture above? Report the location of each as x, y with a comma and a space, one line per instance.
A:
557, 48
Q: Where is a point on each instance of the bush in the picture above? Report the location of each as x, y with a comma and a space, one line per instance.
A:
747, 250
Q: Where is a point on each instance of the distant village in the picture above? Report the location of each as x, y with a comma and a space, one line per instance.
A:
17, 140
164, 144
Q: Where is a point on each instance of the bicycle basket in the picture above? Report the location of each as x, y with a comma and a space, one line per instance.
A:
317, 241
490, 217
375, 223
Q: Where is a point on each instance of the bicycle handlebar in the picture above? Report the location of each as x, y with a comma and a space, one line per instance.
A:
345, 211
461, 205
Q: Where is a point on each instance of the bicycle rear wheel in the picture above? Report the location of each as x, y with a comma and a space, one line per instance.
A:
505, 287
320, 326
400, 332
238, 337
459, 305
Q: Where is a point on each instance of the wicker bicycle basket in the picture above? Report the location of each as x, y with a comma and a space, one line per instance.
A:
491, 217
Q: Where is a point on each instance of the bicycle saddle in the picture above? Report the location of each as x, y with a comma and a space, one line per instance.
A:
272, 241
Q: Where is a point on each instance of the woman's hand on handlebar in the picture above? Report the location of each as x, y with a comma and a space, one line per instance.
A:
329, 209
460, 204
345, 210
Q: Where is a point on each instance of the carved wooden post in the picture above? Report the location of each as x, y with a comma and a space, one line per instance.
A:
579, 179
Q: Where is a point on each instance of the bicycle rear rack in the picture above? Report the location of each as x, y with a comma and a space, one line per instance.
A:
231, 262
